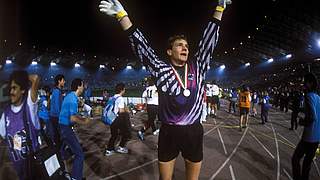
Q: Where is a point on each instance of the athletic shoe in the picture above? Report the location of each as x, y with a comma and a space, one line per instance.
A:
140, 135
122, 150
156, 132
109, 152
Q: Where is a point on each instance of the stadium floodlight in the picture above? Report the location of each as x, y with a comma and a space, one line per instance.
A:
288, 56
34, 62
102, 66
129, 67
247, 64
143, 67
8, 61
222, 66
76, 65
53, 64
270, 60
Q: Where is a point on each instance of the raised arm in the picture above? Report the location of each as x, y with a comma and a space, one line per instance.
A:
139, 44
210, 37
35, 80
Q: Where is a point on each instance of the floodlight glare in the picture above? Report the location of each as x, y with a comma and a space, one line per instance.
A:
288, 56
102, 66
129, 67
34, 62
247, 64
222, 66
143, 67
53, 64
76, 65
270, 60
8, 61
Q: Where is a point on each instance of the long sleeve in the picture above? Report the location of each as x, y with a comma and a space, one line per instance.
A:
207, 45
145, 53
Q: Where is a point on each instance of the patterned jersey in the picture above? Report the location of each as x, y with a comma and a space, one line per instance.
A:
174, 107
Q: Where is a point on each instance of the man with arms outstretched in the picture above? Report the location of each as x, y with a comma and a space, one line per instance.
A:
180, 89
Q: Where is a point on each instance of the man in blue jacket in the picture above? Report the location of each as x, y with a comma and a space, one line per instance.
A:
311, 134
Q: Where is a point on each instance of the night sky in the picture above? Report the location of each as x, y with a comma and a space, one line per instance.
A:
77, 25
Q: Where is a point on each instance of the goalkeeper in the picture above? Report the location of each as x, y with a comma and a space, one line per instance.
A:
180, 87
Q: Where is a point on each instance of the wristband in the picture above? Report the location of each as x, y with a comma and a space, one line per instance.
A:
220, 8
121, 14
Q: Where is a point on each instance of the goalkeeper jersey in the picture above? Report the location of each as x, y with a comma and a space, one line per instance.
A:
178, 105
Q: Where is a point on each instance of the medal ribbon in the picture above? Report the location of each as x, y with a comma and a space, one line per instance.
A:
185, 85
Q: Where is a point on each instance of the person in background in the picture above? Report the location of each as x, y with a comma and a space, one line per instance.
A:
233, 100
55, 107
121, 125
105, 96
215, 99
265, 106
151, 96
43, 111
311, 133
254, 102
87, 94
296, 107
68, 116
23, 106
244, 106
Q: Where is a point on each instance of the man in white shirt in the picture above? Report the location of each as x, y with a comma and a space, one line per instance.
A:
215, 98
209, 97
151, 96
121, 123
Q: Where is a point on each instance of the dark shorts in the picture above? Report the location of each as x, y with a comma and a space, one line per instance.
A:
244, 111
215, 99
210, 99
186, 139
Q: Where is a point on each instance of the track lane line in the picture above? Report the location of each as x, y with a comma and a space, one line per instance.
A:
262, 145
230, 156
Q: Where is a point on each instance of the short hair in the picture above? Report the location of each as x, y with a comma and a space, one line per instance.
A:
76, 83
312, 79
151, 81
58, 78
21, 78
173, 38
245, 88
119, 87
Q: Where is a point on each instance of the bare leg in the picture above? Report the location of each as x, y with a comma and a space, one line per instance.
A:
166, 169
246, 120
192, 170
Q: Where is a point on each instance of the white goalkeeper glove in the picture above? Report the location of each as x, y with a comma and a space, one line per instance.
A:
222, 4
113, 8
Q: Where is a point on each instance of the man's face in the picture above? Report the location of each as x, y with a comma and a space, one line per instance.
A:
80, 88
16, 94
61, 82
179, 51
